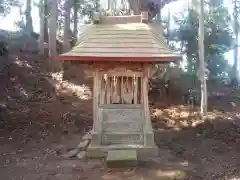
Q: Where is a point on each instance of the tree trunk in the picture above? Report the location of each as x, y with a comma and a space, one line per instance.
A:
135, 6
46, 11
52, 36
201, 61
75, 19
66, 37
235, 65
29, 25
41, 37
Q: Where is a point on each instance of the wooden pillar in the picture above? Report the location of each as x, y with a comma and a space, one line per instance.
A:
96, 133
148, 134
145, 95
96, 85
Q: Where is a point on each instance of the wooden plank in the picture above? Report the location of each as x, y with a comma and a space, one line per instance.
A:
94, 40
121, 25
108, 67
108, 90
120, 19
117, 45
122, 89
111, 90
120, 32
125, 54
102, 90
119, 74
141, 96
110, 36
136, 91
121, 106
120, 50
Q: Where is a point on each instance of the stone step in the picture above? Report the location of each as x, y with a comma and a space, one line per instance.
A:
110, 138
124, 126
122, 158
144, 152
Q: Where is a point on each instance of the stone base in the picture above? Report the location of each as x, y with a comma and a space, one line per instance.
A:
149, 139
143, 152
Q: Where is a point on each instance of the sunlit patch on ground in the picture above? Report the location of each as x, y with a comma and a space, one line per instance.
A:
65, 87
182, 116
22, 63
171, 174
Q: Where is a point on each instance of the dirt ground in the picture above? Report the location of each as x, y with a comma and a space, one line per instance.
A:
40, 125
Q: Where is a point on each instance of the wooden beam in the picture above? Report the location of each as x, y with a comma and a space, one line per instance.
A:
89, 59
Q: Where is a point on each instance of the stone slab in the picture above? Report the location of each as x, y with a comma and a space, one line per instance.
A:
122, 158
122, 138
123, 115
83, 145
124, 126
71, 153
82, 155
87, 137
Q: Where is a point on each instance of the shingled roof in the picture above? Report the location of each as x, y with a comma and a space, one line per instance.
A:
121, 42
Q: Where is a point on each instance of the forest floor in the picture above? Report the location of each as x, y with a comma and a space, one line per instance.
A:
40, 125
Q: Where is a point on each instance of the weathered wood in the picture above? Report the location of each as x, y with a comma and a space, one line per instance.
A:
136, 91
108, 90
121, 106
122, 112
117, 66
102, 91
95, 98
122, 90
127, 74
147, 70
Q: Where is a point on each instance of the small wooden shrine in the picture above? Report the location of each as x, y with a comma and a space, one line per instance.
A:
121, 52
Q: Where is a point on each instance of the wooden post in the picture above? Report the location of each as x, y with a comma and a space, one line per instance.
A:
108, 90
135, 90
145, 96
95, 99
